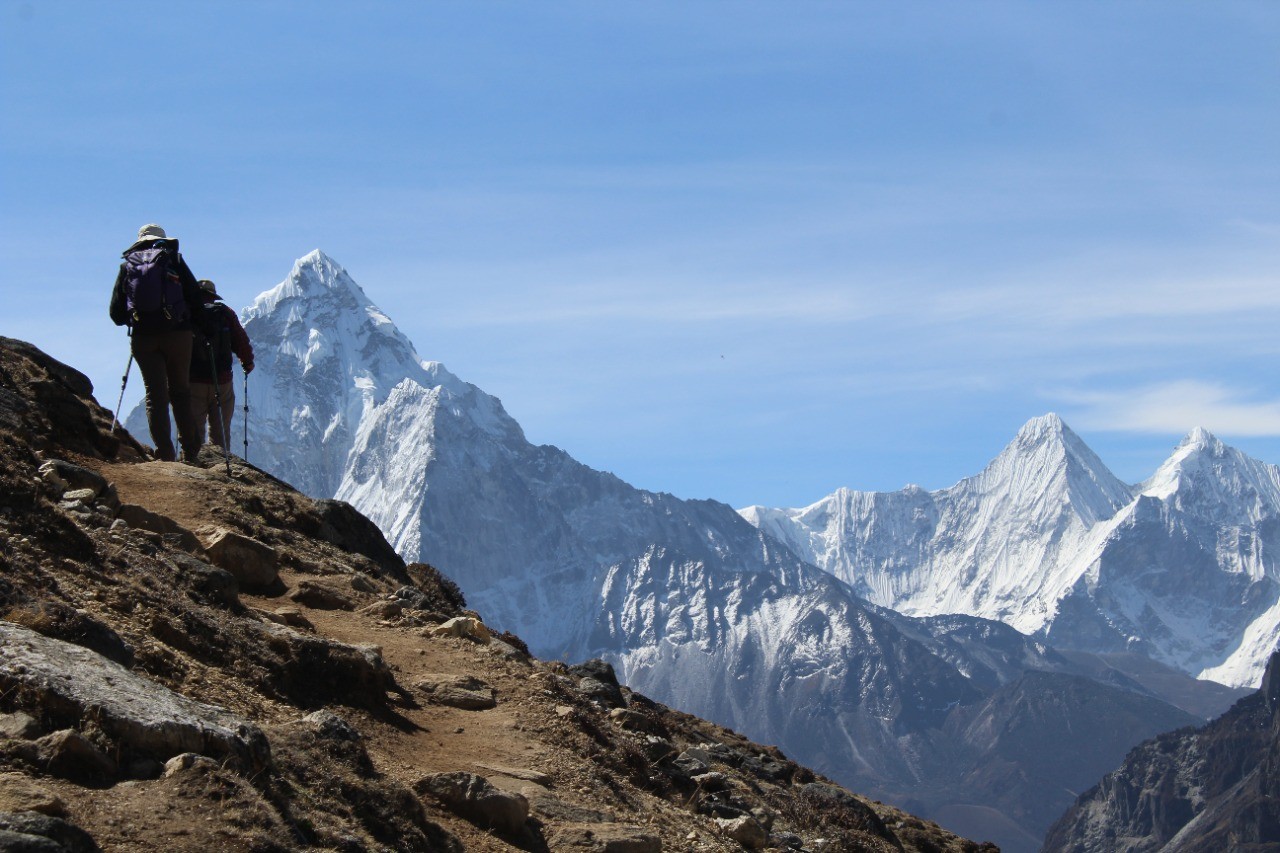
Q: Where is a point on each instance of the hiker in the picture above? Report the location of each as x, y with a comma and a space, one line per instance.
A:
156, 296
218, 335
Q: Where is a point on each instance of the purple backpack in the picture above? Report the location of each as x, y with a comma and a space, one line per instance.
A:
153, 290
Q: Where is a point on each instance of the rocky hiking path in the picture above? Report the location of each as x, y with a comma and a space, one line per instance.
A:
191, 661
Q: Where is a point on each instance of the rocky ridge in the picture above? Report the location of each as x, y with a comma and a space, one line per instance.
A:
1197, 790
193, 661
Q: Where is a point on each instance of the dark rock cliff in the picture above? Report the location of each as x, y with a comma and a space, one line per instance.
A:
1212, 788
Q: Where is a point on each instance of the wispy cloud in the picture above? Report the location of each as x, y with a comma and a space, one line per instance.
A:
1175, 407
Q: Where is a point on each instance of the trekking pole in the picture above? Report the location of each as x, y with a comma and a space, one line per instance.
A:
124, 380
217, 401
246, 414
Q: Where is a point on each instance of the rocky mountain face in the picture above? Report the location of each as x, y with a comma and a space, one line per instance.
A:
192, 659
688, 601
1182, 568
1206, 789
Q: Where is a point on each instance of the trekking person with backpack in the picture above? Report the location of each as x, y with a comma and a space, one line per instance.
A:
156, 296
218, 336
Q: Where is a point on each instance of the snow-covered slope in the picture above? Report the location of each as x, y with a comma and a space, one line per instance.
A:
326, 358
1182, 568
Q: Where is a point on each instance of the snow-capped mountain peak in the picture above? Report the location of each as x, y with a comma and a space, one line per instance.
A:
1204, 476
1047, 426
331, 356
1047, 540
986, 546
1045, 466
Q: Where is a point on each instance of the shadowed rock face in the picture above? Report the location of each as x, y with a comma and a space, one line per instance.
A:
1207, 789
1023, 755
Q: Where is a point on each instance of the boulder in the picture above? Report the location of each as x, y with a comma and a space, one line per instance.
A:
207, 584
142, 718
599, 683
658, 749
287, 615
693, 761
744, 830
30, 832
712, 781
320, 597
603, 838
71, 755
81, 496
384, 609
313, 670
472, 797
634, 721
786, 841
141, 518
459, 691
65, 477
463, 626
187, 761
60, 621
18, 793
342, 524
19, 725
253, 564
330, 726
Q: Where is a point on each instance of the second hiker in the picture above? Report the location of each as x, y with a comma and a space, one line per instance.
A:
218, 336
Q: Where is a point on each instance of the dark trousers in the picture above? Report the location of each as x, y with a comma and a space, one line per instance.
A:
164, 360
213, 404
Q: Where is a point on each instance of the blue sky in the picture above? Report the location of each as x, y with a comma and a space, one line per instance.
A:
750, 251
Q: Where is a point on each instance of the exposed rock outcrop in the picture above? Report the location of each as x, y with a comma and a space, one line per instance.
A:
1212, 788
474, 798
139, 718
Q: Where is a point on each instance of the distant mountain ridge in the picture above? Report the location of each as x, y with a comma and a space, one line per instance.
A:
691, 603
1182, 568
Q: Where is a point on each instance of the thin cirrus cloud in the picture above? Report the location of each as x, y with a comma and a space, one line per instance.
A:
1175, 407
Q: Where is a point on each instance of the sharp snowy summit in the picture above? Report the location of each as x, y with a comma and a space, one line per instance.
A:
331, 358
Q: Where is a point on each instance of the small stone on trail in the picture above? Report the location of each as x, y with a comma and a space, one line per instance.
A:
19, 793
